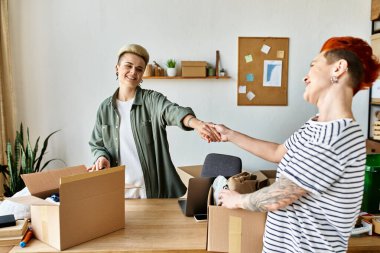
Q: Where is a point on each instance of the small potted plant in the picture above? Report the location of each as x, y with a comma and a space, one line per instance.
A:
222, 72
171, 70
210, 71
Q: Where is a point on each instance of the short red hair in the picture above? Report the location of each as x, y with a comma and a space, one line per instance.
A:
363, 52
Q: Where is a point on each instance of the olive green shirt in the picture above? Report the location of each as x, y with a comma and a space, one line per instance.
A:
151, 112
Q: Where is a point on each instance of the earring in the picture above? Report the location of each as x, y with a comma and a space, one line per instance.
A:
334, 79
117, 75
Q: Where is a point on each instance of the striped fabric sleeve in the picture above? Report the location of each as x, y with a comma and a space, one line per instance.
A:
313, 167
316, 165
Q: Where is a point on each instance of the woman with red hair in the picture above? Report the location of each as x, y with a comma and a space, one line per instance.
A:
316, 199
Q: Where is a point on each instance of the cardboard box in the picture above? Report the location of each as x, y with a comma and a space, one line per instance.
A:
270, 174
193, 68
237, 230
234, 230
91, 204
187, 172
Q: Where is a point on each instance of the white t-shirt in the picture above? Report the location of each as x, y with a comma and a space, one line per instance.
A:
327, 159
134, 178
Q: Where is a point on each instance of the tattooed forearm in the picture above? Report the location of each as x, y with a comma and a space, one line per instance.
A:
278, 195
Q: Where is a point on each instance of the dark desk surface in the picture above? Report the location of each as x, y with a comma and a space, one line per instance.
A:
158, 225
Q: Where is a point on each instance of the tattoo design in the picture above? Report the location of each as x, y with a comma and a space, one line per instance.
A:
278, 195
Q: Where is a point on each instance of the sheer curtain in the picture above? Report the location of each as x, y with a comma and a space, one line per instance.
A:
7, 100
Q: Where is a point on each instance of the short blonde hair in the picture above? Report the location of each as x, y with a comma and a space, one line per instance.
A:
134, 49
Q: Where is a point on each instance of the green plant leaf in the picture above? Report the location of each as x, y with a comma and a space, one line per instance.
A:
29, 156
10, 166
17, 150
21, 135
44, 147
35, 150
51, 160
23, 162
171, 63
4, 170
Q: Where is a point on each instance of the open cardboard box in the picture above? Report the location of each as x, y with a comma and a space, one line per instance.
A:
187, 172
232, 230
237, 230
91, 204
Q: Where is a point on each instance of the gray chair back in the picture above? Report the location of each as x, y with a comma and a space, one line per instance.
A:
220, 164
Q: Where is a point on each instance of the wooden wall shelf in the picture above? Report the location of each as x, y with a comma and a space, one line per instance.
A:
181, 77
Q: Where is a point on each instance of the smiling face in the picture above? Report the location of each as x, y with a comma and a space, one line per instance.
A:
318, 79
130, 69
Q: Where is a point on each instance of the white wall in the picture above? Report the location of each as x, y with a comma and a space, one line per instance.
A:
65, 52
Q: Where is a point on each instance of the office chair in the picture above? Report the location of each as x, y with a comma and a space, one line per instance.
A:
220, 164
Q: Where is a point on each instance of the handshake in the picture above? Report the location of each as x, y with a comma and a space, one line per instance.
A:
212, 132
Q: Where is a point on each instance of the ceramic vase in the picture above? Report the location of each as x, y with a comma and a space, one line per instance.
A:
171, 72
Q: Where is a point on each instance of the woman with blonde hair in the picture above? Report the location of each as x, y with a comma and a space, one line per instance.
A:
130, 129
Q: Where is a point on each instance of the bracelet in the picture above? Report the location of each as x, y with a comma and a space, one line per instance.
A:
188, 121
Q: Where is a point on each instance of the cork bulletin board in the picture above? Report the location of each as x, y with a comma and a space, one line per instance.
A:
263, 71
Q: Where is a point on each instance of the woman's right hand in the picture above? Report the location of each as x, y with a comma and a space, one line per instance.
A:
100, 164
224, 132
230, 199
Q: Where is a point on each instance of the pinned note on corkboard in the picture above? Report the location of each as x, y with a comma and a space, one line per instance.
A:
262, 71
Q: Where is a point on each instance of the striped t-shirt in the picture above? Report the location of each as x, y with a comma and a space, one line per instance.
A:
327, 159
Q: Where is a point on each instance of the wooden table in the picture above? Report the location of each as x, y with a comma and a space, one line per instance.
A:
150, 225
158, 225
364, 244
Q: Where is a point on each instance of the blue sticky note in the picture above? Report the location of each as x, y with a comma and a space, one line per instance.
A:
250, 77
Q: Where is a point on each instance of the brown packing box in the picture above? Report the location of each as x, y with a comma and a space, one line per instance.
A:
193, 68
261, 179
234, 230
237, 230
187, 172
270, 174
91, 204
